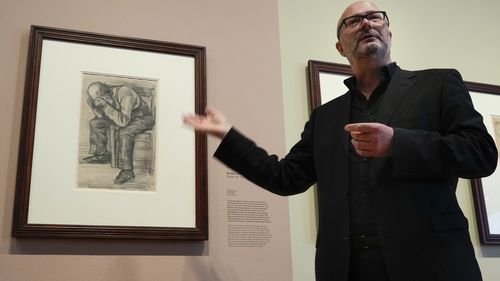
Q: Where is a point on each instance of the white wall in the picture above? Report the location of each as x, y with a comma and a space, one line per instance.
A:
448, 33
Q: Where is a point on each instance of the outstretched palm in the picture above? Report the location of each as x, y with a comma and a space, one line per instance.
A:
214, 122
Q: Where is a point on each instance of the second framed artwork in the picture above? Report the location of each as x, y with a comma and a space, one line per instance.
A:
103, 151
326, 83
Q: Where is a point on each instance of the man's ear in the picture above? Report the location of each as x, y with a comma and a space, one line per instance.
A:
339, 48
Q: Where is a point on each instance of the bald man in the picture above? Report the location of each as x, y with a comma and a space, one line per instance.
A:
386, 157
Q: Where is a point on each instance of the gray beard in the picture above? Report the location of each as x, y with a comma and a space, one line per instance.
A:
371, 49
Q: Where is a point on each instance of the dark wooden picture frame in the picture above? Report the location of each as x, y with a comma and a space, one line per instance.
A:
482, 96
145, 213
485, 191
315, 70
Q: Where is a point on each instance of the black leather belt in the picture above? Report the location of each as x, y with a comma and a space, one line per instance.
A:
365, 242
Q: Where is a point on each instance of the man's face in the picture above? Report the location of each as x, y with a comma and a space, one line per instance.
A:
366, 39
95, 92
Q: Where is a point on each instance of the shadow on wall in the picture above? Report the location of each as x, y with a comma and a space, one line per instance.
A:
214, 268
41, 246
490, 251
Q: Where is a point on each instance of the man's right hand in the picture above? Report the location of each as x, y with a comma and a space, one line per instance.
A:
97, 111
213, 123
90, 102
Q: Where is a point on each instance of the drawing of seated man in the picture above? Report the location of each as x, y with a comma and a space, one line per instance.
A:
122, 107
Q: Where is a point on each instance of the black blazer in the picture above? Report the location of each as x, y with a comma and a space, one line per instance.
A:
438, 137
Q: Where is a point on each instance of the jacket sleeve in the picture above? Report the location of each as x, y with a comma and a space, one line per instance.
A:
461, 147
293, 174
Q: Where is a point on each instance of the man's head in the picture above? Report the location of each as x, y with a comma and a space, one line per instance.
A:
363, 31
99, 90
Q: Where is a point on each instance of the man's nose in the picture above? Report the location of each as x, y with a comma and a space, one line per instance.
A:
365, 23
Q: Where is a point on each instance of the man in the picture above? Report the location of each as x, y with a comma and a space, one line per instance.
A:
386, 157
122, 107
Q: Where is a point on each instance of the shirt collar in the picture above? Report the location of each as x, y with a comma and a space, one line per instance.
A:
387, 71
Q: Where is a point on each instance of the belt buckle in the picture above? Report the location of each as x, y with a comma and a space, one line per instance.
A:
364, 242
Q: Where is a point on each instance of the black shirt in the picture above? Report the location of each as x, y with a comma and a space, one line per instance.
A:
362, 212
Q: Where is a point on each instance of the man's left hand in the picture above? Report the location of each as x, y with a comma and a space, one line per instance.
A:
371, 139
98, 102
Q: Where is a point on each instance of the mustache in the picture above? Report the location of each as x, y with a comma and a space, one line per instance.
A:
367, 33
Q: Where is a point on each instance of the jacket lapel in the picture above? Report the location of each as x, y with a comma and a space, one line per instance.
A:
396, 92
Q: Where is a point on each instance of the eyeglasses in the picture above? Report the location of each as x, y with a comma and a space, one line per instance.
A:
354, 21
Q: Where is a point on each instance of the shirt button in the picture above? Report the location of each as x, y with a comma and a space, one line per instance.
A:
364, 160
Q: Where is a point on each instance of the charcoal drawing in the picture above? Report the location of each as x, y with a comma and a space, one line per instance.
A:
117, 132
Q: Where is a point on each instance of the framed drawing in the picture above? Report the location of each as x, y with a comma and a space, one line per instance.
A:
485, 190
103, 153
326, 83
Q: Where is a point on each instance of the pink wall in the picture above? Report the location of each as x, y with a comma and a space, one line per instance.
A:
244, 80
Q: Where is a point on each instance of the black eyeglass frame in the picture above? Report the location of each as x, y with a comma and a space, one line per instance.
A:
343, 22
